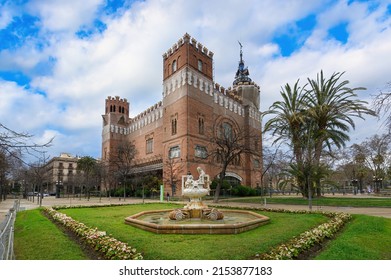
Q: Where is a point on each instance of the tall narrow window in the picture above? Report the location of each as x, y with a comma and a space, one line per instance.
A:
174, 66
149, 146
200, 65
174, 125
201, 127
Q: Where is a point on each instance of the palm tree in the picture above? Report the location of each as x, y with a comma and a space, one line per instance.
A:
289, 124
315, 120
332, 105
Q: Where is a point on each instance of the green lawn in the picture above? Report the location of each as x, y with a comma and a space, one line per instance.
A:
364, 238
36, 238
322, 201
200, 247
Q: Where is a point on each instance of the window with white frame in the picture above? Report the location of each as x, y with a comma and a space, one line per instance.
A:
174, 152
149, 146
200, 151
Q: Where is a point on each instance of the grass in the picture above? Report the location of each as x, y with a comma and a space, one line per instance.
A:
364, 238
322, 201
185, 247
153, 246
37, 238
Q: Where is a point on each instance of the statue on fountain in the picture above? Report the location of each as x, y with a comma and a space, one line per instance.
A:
195, 190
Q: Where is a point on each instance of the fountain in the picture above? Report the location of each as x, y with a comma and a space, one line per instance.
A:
195, 217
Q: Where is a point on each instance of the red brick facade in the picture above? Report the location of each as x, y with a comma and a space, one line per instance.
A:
174, 136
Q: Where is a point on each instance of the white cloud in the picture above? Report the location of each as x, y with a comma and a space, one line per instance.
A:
24, 110
6, 14
59, 15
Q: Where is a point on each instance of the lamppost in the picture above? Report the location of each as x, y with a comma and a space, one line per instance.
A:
378, 183
354, 184
119, 187
58, 188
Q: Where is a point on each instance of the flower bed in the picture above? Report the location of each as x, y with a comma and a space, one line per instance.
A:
305, 241
109, 247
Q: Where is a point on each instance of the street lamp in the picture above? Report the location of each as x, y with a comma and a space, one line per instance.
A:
376, 182
354, 184
58, 188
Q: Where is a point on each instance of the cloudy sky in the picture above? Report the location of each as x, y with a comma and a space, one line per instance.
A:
60, 59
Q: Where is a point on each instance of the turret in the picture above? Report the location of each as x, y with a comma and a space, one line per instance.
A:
244, 87
117, 105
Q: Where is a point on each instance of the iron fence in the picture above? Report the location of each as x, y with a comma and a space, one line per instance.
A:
7, 233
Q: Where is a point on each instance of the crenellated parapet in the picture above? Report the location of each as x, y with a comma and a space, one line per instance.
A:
226, 99
188, 39
117, 105
152, 114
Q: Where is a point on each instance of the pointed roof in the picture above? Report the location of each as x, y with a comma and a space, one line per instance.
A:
242, 74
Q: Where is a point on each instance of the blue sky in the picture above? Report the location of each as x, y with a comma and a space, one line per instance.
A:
60, 59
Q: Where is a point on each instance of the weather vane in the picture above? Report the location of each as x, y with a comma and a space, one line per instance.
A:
241, 52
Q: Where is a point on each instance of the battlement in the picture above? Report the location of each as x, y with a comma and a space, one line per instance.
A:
117, 105
148, 111
145, 118
189, 40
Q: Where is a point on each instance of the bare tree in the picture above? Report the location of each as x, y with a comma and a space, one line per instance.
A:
374, 153
173, 169
39, 176
230, 144
122, 162
382, 105
11, 140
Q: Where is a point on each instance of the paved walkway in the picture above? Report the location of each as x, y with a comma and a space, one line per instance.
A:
52, 201
371, 211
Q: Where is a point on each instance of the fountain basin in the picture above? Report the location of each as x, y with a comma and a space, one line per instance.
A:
234, 222
195, 193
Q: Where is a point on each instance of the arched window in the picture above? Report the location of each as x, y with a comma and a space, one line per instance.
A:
201, 127
199, 65
226, 131
174, 66
173, 126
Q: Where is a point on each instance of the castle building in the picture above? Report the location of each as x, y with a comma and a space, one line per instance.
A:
176, 135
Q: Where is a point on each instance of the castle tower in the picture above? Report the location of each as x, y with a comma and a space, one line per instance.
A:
115, 122
249, 93
187, 96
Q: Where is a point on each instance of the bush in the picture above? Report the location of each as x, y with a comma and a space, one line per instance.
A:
226, 185
243, 191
